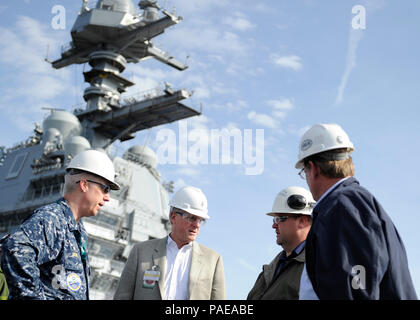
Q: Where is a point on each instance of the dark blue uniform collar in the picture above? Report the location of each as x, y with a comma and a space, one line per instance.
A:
68, 214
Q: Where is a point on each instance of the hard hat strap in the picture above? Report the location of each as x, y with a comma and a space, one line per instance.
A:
330, 156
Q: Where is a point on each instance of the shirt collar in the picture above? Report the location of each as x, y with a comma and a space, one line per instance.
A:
300, 247
329, 190
68, 214
297, 251
170, 243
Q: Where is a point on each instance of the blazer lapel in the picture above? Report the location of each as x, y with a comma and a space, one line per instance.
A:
159, 259
196, 265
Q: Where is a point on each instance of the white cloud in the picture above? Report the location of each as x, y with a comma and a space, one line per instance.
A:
289, 62
262, 119
264, 8
239, 22
281, 104
281, 107
33, 83
189, 7
187, 171
208, 37
201, 122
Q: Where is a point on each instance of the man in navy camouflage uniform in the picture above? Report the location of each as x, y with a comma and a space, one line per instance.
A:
46, 258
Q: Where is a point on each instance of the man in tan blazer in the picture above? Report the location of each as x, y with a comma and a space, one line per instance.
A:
175, 267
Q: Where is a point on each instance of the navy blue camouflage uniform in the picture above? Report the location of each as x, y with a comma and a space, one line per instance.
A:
46, 258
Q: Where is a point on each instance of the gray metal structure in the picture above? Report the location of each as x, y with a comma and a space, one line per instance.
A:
32, 172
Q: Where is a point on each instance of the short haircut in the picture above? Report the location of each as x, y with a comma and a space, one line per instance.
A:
71, 178
332, 168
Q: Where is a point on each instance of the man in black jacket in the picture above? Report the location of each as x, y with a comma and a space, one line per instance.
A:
292, 220
353, 250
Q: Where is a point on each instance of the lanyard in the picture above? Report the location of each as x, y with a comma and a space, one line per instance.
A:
83, 255
82, 246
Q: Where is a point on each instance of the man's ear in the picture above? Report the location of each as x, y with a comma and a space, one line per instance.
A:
171, 215
304, 221
83, 185
315, 171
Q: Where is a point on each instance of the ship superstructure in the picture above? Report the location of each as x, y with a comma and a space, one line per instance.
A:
107, 37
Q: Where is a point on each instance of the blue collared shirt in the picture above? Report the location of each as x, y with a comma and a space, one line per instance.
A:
283, 258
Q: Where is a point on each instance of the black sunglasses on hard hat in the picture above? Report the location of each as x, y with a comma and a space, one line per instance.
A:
298, 202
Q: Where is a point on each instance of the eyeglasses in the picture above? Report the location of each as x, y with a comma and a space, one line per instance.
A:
302, 173
105, 188
277, 219
191, 218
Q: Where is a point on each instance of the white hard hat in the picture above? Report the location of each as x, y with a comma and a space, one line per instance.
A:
96, 162
295, 200
320, 138
191, 200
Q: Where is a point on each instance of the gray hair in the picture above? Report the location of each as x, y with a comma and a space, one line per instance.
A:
70, 181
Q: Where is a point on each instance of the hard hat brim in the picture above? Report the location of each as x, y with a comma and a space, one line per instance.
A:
299, 164
114, 185
273, 214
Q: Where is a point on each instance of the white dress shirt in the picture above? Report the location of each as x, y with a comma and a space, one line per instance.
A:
178, 264
306, 290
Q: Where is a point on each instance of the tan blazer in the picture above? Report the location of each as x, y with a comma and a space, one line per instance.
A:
206, 282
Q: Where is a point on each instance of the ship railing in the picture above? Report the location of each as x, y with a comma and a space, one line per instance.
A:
143, 95
126, 100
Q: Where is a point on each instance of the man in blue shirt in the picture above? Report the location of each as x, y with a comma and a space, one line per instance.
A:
46, 258
353, 250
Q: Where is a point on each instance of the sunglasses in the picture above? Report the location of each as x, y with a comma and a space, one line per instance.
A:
105, 188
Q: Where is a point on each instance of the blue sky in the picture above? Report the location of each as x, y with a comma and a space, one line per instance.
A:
279, 66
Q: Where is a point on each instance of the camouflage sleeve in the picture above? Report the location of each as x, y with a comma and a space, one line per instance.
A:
19, 264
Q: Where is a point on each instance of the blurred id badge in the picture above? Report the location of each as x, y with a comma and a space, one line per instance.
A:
151, 277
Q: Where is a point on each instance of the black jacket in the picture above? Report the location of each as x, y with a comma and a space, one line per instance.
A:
283, 287
352, 230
